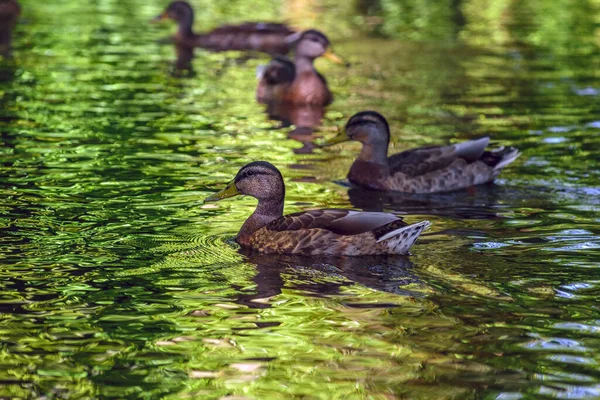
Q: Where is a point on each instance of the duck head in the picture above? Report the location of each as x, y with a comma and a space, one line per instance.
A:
180, 12
312, 44
369, 128
259, 179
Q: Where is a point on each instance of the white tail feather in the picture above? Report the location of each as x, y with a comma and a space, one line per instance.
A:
423, 224
507, 159
260, 71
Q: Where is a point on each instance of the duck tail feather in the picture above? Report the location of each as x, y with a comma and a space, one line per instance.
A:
509, 155
419, 227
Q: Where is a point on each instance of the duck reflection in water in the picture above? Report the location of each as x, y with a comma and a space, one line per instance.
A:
304, 117
384, 273
480, 202
183, 63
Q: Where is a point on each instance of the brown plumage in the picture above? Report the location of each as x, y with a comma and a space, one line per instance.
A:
297, 82
250, 36
315, 232
9, 13
422, 170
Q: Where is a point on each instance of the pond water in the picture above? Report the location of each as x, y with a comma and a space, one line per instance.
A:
118, 282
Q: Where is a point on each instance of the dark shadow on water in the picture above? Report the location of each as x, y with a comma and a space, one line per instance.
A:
300, 115
477, 202
384, 273
7, 76
184, 55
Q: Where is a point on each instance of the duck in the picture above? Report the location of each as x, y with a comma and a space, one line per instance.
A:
298, 82
334, 232
9, 13
429, 169
270, 38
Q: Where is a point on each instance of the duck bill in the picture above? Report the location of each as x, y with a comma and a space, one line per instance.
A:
331, 56
159, 18
229, 191
340, 138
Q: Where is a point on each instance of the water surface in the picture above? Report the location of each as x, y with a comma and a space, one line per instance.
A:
118, 282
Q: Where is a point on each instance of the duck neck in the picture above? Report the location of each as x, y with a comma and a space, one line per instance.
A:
375, 153
266, 211
303, 64
185, 26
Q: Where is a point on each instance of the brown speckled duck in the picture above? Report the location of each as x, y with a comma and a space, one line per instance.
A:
422, 170
9, 13
298, 82
269, 38
315, 232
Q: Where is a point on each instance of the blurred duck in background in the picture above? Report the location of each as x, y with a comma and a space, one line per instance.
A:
9, 13
271, 38
297, 82
423, 170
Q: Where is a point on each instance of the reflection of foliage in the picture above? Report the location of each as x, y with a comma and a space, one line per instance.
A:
547, 23
104, 156
421, 19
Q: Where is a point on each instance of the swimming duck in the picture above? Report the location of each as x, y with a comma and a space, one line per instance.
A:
315, 232
9, 13
298, 82
269, 38
422, 170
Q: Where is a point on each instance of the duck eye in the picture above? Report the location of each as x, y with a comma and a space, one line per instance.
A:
249, 173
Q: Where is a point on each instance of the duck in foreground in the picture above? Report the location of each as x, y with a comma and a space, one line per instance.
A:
9, 13
422, 170
271, 38
298, 82
315, 232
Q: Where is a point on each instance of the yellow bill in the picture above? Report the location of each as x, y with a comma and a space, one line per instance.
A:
340, 138
331, 56
161, 17
230, 191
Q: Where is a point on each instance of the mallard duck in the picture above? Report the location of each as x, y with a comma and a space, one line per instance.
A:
422, 170
298, 82
9, 13
315, 232
269, 38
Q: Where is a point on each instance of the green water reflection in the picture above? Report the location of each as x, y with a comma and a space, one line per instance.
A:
118, 282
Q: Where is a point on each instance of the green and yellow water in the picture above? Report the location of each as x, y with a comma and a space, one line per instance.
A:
118, 282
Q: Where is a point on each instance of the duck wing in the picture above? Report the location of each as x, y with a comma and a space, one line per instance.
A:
416, 162
340, 222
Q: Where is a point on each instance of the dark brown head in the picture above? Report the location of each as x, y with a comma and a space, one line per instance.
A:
179, 11
311, 44
283, 71
258, 179
368, 127
261, 180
